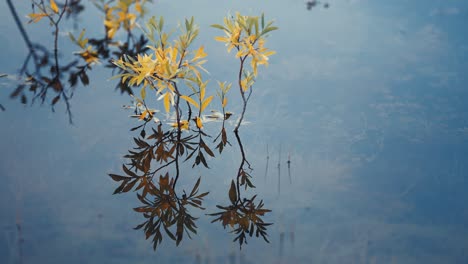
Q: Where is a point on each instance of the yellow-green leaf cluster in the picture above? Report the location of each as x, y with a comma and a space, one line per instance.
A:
247, 35
223, 90
86, 52
167, 64
120, 15
36, 17
45, 11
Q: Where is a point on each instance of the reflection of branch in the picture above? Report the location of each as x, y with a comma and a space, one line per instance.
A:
31, 47
19, 25
241, 118
40, 58
243, 215
56, 83
179, 131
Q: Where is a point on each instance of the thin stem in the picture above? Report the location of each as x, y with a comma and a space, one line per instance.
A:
179, 131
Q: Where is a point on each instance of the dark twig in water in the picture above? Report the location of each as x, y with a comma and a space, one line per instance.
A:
289, 167
279, 171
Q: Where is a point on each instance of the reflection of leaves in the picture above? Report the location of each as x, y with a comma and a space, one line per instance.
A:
165, 212
244, 217
164, 209
222, 143
163, 72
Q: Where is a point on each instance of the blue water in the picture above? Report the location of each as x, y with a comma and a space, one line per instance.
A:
367, 97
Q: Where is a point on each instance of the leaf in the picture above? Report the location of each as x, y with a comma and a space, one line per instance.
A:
23, 99
268, 29
36, 17
143, 93
56, 99
233, 193
199, 122
84, 78
161, 23
190, 100
129, 186
54, 6
200, 53
263, 20
202, 159
169, 233
206, 103
195, 187
207, 149
167, 103
17, 91
225, 101
128, 172
218, 26
118, 177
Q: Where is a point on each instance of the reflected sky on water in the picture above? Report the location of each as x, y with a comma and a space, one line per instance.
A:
368, 99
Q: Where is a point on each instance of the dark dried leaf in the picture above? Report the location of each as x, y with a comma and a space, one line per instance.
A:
119, 178
56, 99
233, 193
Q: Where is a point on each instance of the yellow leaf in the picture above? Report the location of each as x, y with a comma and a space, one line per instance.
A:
222, 39
184, 124
167, 102
202, 92
190, 100
54, 6
200, 53
225, 102
206, 103
199, 122
143, 115
138, 7
143, 93
36, 17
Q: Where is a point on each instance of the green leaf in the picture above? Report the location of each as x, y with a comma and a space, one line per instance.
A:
263, 20
161, 23
219, 27
268, 29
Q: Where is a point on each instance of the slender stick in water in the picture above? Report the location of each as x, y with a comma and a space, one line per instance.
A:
289, 167
279, 171
267, 160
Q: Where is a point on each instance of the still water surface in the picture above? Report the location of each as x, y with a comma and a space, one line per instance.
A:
367, 100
